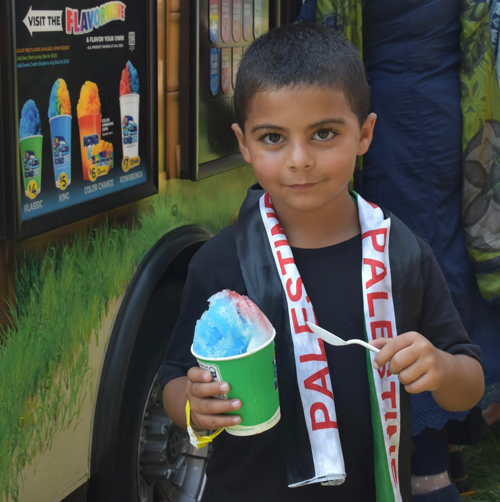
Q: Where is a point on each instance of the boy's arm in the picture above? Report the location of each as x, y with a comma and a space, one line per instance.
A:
443, 361
456, 381
174, 400
463, 385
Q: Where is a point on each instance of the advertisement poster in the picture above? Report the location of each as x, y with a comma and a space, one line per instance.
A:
82, 88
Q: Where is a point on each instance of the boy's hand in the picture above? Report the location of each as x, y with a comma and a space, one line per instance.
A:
205, 410
419, 365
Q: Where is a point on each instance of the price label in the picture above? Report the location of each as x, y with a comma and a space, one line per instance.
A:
32, 189
63, 181
92, 173
126, 164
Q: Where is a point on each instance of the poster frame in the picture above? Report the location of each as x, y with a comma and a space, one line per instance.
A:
10, 170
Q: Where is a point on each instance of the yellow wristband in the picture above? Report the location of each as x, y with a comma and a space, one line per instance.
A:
194, 438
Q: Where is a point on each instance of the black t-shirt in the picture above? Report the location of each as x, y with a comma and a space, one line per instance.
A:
253, 467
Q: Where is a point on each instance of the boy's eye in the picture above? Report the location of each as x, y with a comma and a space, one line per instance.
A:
323, 134
272, 139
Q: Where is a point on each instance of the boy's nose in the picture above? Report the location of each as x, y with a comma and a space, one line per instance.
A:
299, 156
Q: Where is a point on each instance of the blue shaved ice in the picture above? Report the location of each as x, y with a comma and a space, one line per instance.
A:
54, 102
232, 325
134, 78
30, 124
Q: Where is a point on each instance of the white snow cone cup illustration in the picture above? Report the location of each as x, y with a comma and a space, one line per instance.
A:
129, 109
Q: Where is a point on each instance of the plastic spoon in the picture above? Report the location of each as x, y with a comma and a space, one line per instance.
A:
335, 340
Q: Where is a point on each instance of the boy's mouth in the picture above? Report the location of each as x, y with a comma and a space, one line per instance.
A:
302, 186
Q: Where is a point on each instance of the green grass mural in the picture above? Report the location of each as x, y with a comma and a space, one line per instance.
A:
62, 295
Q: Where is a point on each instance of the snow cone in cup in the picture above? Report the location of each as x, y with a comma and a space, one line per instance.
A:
60, 133
89, 121
129, 110
30, 144
234, 341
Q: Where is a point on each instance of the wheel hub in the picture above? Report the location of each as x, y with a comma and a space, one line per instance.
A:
169, 469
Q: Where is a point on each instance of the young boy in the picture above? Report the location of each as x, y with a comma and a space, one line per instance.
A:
302, 104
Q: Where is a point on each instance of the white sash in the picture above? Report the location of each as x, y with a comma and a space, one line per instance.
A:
313, 376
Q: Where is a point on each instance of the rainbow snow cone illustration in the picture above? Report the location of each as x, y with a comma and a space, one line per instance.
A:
129, 110
30, 143
60, 133
89, 121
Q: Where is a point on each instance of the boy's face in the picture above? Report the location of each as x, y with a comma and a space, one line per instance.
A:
302, 144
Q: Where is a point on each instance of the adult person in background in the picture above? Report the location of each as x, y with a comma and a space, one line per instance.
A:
434, 88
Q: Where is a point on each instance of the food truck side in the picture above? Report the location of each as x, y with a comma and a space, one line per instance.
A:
87, 312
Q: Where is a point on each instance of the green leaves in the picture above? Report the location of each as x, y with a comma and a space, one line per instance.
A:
475, 48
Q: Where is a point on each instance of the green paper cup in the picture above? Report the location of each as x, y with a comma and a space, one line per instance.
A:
31, 164
253, 379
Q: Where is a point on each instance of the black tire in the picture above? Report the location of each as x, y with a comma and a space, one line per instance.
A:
154, 461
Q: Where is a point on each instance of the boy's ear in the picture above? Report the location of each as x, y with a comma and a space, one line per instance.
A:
366, 136
240, 136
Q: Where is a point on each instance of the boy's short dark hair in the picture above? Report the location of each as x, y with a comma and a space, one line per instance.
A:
302, 54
